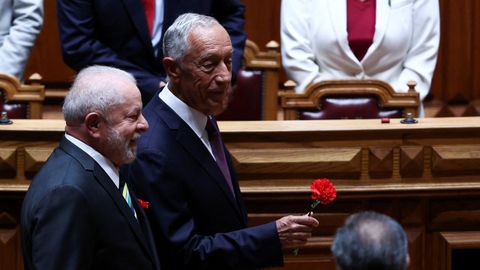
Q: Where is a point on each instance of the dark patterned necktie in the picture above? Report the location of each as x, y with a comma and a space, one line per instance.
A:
218, 151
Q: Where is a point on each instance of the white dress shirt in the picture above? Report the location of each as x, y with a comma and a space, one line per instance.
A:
194, 119
157, 25
104, 163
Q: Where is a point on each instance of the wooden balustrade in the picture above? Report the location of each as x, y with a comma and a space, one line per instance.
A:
424, 175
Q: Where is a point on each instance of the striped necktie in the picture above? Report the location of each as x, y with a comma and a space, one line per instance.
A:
128, 198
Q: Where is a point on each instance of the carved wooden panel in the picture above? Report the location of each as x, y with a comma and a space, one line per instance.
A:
444, 244
456, 159
423, 175
380, 162
35, 157
10, 247
10, 239
416, 242
455, 213
8, 162
411, 161
278, 163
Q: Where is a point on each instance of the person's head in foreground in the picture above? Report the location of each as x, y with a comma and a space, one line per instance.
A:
370, 240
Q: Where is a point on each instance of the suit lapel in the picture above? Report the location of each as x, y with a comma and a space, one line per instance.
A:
107, 184
381, 22
121, 204
337, 10
147, 231
137, 15
192, 144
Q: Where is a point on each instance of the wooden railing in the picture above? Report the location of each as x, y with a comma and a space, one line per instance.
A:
424, 175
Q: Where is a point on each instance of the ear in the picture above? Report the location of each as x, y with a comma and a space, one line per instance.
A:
172, 68
94, 123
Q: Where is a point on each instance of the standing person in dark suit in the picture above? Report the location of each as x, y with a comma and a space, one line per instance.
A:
128, 35
74, 215
370, 240
197, 213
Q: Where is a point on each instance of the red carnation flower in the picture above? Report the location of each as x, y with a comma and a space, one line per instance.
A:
143, 204
323, 192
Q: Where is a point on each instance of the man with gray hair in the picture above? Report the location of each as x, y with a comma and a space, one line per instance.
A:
182, 167
370, 240
77, 213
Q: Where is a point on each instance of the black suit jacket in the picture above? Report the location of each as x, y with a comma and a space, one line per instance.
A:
196, 220
74, 217
115, 33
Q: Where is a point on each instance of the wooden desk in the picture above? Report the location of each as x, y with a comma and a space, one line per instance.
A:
425, 175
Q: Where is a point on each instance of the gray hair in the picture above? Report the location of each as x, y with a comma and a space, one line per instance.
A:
175, 40
370, 240
95, 89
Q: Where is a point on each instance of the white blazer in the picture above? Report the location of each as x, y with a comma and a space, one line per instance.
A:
20, 24
405, 45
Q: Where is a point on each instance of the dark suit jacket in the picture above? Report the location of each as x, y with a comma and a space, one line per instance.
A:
115, 33
74, 217
196, 220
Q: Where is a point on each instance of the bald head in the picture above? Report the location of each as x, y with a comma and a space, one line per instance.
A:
370, 240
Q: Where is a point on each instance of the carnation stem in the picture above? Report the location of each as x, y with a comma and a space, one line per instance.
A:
314, 204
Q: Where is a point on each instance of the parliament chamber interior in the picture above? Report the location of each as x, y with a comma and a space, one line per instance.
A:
425, 175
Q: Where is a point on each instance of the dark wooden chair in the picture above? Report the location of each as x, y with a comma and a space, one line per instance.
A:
349, 99
255, 95
21, 101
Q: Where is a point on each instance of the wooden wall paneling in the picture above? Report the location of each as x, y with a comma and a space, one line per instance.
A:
457, 16
411, 161
8, 162
476, 50
455, 159
439, 253
262, 20
457, 214
10, 239
416, 244
445, 244
277, 160
46, 58
253, 163
380, 162
439, 76
20, 161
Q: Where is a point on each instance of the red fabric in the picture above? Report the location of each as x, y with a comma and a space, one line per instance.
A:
149, 6
360, 25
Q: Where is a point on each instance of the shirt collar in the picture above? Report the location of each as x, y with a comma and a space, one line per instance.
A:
104, 163
195, 119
